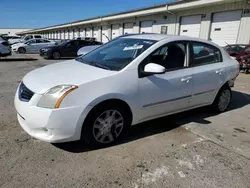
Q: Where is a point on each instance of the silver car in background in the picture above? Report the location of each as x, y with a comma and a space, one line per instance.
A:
32, 46
4, 48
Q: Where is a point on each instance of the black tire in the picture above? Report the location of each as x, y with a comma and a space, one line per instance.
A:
21, 50
225, 90
88, 126
56, 55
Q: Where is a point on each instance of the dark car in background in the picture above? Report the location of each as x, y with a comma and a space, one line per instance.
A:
241, 52
66, 48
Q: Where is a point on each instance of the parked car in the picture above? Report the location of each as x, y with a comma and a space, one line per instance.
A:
241, 52
24, 38
86, 49
8, 37
31, 46
4, 48
127, 81
65, 48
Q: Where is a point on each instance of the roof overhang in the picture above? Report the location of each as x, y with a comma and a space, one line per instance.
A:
164, 8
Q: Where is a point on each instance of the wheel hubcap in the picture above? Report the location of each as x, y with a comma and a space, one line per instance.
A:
56, 55
108, 126
224, 100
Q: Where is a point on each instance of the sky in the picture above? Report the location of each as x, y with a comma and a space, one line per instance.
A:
43, 13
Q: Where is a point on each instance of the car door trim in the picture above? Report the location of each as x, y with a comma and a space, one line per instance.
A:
162, 102
204, 92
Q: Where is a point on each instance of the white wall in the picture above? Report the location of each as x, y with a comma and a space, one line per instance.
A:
11, 31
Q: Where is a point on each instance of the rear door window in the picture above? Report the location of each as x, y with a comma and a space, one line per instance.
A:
205, 54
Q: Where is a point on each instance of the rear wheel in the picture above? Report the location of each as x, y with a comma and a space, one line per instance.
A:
56, 55
21, 50
105, 125
223, 99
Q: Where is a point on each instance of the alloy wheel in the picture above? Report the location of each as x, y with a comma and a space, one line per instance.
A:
108, 126
224, 100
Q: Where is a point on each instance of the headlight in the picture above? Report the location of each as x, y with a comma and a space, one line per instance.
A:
45, 49
54, 96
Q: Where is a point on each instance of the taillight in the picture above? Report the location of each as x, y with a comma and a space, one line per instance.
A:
5, 43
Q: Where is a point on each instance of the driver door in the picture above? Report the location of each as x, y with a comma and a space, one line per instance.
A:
31, 46
170, 92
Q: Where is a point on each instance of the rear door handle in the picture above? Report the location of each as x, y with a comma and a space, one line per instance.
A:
186, 79
219, 71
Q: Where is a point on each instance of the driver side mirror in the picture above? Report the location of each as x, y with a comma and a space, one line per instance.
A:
153, 68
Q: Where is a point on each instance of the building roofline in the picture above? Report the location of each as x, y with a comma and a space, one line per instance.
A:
113, 14
165, 7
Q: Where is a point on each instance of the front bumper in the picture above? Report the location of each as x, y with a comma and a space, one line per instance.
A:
49, 125
45, 54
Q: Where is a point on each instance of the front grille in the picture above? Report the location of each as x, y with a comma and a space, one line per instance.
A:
24, 93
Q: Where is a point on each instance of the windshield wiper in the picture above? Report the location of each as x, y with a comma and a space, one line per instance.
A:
92, 63
101, 66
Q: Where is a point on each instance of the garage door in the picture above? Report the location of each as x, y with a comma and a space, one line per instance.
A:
82, 32
190, 26
75, 33
146, 27
62, 34
88, 32
105, 34
225, 27
96, 33
115, 31
71, 34
66, 36
128, 28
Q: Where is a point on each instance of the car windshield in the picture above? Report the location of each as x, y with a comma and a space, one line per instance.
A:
234, 48
116, 54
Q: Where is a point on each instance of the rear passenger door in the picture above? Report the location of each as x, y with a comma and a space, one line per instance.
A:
208, 73
83, 43
70, 49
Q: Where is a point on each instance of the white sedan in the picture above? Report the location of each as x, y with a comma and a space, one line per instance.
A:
127, 81
32, 45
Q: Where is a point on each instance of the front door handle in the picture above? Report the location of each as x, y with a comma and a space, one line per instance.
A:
186, 79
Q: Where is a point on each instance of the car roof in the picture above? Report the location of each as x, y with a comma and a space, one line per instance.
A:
159, 37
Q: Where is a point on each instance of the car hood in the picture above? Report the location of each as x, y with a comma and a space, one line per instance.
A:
17, 45
69, 72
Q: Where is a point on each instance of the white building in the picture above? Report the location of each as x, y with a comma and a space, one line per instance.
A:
222, 21
12, 31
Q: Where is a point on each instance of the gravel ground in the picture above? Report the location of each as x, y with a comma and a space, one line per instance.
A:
192, 149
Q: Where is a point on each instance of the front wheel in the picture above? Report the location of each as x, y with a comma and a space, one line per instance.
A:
105, 125
223, 99
56, 55
21, 50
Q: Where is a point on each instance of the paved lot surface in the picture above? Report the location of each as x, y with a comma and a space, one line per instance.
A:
193, 149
